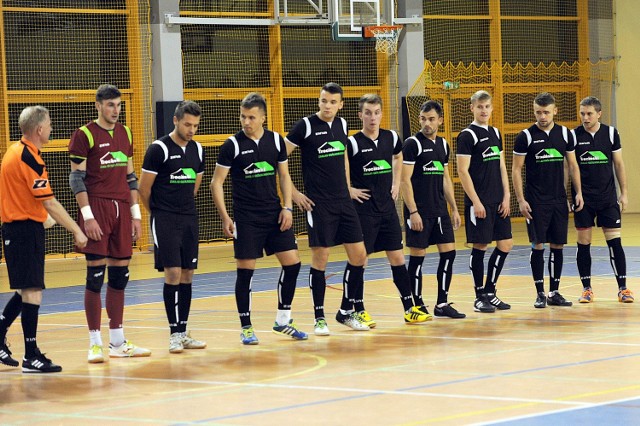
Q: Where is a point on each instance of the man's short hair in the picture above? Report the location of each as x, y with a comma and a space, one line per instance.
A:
592, 101
432, 105
544, 99
480, 96
31, 117
187, 107
106, 92
333, 88
254, 99
369, 98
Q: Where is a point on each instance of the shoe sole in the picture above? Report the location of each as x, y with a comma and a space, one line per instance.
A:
584, 301
484, 311
253, 343
501, 309
322, 333
96, 361
10, 364
129, 356
176, 351
450, 317
34, 371
196, 347
562, 306
290, 336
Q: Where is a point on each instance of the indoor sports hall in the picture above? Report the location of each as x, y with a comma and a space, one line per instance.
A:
523, 366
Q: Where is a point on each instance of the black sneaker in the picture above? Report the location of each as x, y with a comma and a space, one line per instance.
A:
541, 301
39, 364
5, 355
447, 311
499, 304
556, 299
423, 309
482, 304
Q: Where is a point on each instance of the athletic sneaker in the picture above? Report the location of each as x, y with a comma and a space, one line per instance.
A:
495, 301
415, 315
447, 311
320, 328
625, 296
290, 330
366, 319
482, 304
247, 336
5, 355
351, 320
39, 364
424, 309
587, 296
175, 343
127, 350
189, 342
95, 355
556, 299
541, 300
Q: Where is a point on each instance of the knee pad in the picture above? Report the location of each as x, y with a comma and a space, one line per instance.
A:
118, 277
95, 278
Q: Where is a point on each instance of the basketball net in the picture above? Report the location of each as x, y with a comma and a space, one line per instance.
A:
387, 39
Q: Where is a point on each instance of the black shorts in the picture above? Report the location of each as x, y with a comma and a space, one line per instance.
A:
24, 252
436, 230
381, 233
332, 224
175, 240
549, 223
492, 228
607, 214
252, 238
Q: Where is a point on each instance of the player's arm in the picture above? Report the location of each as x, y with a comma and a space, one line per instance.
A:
144, 188
621, 177
76, 182
450, 197
464, 162
407, 195
396, 167
357, 194
60, 215
516, 175
217, 191
505, 206
136, 214
574, 172
303, 202
286, 187
196, 186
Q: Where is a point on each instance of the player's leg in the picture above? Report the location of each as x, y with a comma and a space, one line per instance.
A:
353, 281
444, 276
284, 325
611, 221
504, 243
536, 230
479, 233
14, 305
170, 296
189, 263
583, 260
412, 314
557, 236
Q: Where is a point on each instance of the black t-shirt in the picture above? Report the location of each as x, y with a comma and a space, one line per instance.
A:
484, 147
429, 159
176, 169
323, 146
544, 162
371, 167
253, 174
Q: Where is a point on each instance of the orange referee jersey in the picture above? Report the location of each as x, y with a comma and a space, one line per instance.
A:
24, 184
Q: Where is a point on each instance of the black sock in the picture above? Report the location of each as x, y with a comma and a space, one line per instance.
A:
11, 311
415, 277
318, 285
170, 296
346, 304
618, 261
184, 305
243, 295
287, 285
356, 284
537, 268
583, 260
402, 281
496, 262
445, 271
29, 328
556, 259
476, 264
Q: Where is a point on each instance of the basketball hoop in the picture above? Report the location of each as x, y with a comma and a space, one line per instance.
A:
386, 37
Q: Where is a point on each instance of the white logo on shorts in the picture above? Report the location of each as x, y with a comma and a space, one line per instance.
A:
7, 242
194, 260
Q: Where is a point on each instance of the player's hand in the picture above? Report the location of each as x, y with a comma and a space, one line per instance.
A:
623, 201
80, 239
504, 209
228, 228
302, 201
285, 219
457, 221
360, 195
579, 203
479, 210
525, 209
416, 222
395, 191
92, 229
136, 226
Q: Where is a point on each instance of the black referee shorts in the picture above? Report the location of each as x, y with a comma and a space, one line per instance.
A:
23, 243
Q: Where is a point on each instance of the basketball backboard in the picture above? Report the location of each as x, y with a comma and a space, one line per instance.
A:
348, 17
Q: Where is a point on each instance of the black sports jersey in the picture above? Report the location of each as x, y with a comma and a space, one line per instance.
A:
484, 147
176, 169
253, 174
323, 146
595, 158
429, 159
544, 162
371, 167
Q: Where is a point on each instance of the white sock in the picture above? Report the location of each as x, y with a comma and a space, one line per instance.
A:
116, 336
283, 316
95, 338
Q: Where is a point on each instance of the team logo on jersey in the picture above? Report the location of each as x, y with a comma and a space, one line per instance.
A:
548, 155
433, 168
331, 149
39, 183
113, 159
183, 176
593, 157
491, 153
376, 167
259, 169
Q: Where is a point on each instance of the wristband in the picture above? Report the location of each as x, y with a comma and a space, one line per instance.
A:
135, 212
87, 214
288, 209
413, 212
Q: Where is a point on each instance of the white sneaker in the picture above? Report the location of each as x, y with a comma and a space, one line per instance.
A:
189, 342
175, 343
352, 320
95, 355
321, 328
126, 350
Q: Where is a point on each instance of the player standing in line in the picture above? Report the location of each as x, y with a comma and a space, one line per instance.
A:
483, 174
599, 153
426, 189
253, 156
375, 164
106, 189
171, 176
331, 216
546, 149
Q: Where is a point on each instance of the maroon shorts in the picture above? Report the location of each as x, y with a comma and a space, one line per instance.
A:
114, 218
